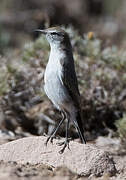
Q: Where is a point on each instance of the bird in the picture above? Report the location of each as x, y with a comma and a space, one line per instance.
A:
60, 83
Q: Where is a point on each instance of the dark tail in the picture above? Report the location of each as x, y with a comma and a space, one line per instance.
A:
79, 126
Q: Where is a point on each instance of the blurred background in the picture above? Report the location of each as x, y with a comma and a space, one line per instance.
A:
97, 29
19, 18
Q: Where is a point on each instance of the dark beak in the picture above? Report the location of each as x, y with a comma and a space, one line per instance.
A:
42, 31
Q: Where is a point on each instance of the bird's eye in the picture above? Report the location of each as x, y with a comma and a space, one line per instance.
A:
54, 33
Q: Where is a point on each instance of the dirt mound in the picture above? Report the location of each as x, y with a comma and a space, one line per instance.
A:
81, 159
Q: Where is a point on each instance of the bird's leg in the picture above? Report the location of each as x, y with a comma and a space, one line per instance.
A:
79, 132
56, 128
66, 142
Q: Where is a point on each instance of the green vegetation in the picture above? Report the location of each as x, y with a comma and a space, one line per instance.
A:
35, 49
4, 40
121, 128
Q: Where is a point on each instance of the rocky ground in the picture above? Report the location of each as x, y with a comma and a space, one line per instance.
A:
28, 159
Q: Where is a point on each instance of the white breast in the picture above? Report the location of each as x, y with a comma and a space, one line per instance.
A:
53, 65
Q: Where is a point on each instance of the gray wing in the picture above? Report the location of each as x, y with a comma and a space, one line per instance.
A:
69, 80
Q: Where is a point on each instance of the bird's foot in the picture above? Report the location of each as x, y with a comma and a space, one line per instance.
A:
50, 138
65, 144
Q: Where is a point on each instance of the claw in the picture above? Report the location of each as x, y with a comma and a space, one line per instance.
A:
62, 150
49, 138
65, 143
60, 143
68, 146
47, 141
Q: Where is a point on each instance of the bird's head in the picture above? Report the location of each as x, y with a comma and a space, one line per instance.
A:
56, 36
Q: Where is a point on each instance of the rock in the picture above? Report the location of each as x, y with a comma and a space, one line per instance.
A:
82, 159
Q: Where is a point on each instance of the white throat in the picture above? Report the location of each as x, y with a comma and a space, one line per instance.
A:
56, 53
